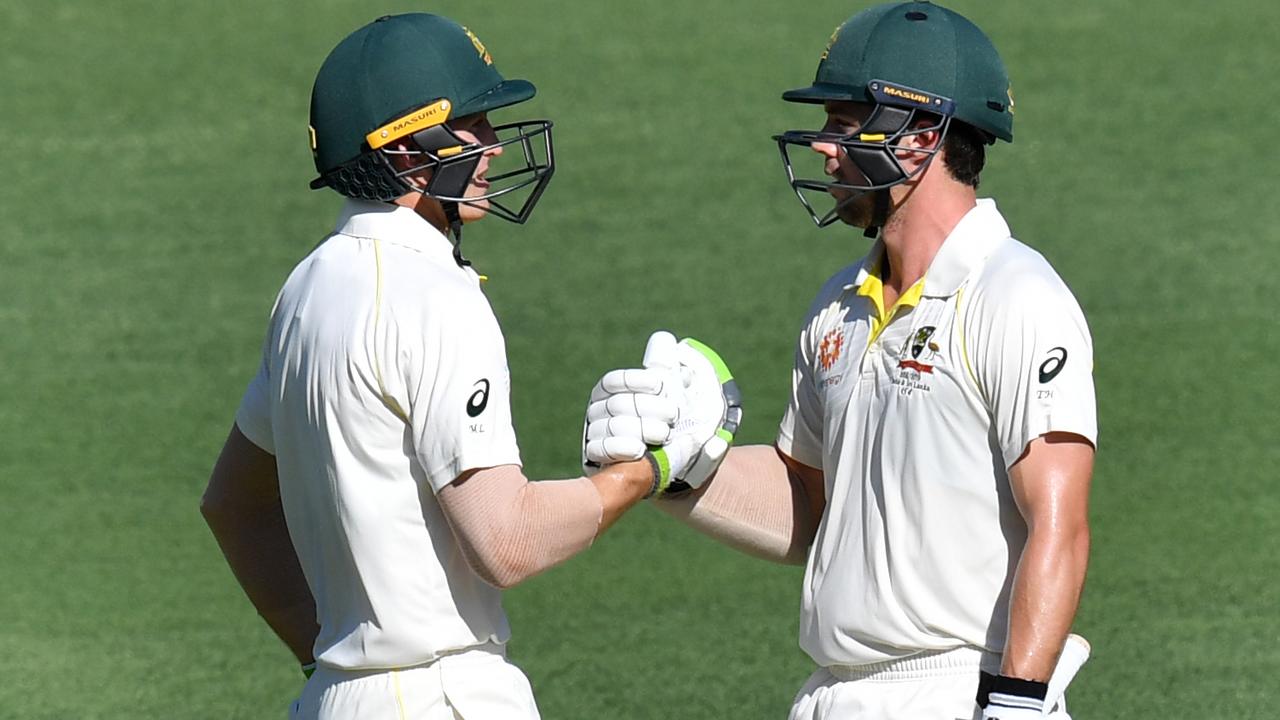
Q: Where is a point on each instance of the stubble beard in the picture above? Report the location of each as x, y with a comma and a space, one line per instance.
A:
858, 212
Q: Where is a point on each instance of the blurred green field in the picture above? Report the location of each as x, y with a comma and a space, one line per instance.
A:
155, 197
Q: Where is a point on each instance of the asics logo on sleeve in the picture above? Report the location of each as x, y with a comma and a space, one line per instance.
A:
1050, 368
479, 399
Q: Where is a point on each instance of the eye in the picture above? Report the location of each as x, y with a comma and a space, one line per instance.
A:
837, 126
468, 122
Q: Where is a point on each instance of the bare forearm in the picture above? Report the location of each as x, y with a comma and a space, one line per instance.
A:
620, 487
752, 504
257, 546
511, 529
1046, 593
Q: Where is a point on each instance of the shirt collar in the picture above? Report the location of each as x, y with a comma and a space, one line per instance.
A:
867, 267
394, 224
965, 249
967, 246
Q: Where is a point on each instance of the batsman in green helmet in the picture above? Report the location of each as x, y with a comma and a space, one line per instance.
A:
399, 113
933, 462
370, 498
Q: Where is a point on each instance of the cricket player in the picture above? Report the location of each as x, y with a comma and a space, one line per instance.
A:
369, 498
932, 467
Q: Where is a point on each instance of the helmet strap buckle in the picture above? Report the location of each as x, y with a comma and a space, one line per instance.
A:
455, 232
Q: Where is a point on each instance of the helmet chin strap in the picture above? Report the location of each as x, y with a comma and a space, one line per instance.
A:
455, 230
879, 214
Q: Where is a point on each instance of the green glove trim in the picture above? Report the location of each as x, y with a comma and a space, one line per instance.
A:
722, 370
725, 435
661, 469
308, 670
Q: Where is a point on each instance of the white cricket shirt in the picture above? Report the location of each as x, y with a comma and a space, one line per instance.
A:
384, 377
915, 423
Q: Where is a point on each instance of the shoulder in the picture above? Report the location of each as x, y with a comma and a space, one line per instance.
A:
827, 307
1018, 278
1018, 300
837, 285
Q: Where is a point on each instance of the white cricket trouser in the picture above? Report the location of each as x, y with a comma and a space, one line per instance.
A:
930, 686
477, 684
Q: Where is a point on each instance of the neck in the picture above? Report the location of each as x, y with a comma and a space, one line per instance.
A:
917, 228
427, 207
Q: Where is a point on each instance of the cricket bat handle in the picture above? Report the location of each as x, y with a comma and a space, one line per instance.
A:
1074, 654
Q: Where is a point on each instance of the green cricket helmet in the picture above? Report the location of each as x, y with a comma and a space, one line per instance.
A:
396, 83
909, 61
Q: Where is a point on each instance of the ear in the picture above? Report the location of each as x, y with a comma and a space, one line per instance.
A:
926, 137
915, 146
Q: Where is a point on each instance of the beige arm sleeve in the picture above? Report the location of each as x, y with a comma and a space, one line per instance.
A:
754, 504
511, 529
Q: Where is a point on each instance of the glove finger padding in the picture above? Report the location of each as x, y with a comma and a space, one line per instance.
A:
630, 380
653, 407
646, 430
661, 351
638, 393
611, 449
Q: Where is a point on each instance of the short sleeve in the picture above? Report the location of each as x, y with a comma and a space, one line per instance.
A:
460, 397
254, 415
800, 432
1034, 361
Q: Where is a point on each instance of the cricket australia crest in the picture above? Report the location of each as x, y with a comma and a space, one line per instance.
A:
917, 358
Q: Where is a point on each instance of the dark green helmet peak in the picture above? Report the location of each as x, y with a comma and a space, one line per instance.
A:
916, 46
393, 67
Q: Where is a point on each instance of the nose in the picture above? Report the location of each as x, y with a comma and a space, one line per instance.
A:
829, 150
486, 135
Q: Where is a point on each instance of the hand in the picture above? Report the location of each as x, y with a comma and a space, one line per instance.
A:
630, 413
629, 410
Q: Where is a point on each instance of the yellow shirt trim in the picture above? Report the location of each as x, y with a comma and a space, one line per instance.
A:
387, 397
395, 679
872, 288
964, 346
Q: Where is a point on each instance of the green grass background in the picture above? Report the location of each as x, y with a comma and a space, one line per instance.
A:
154, 197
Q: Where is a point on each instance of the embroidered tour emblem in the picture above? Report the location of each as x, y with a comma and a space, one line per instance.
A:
917, 344
829, 349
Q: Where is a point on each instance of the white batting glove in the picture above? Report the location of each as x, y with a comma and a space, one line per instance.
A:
628, 411
1016, 699
627, 418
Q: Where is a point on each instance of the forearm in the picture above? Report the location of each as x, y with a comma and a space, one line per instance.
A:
511, 529
1045, 595
257, 546
620, 487
752, 504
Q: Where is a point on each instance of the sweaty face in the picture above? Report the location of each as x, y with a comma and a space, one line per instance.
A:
476, 129
469, 129
846, 118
